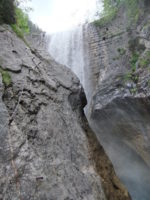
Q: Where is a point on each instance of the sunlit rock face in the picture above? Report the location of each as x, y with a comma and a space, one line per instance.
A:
47, 149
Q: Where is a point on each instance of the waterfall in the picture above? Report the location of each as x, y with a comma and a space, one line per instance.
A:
67, 48
72, 49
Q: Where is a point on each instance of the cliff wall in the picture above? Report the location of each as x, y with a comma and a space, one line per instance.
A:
47, 150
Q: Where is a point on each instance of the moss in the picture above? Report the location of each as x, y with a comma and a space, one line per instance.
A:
133, 61
145, 61
128, 76
131, 76
133, 90
6, 78
121, 51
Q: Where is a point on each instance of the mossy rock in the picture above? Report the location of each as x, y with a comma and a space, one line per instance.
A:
145, 60
6, 78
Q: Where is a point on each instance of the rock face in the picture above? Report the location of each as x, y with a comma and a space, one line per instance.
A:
47, 149
120, 108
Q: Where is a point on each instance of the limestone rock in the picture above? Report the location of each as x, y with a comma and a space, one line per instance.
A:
120, 108
47, 149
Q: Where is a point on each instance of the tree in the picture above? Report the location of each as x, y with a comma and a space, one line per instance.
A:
7, 11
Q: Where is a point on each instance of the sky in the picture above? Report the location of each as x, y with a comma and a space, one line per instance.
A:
59, 15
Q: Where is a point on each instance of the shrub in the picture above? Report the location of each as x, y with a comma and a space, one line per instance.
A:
22, 20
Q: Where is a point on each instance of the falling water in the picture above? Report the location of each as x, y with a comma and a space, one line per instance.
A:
67, 48
70, 48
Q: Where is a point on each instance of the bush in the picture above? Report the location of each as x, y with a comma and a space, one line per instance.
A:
21, 26
22, 20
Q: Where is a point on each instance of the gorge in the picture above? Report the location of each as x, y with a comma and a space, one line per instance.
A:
59, 142
118, 97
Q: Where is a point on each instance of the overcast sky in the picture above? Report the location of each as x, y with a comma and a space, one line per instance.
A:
59, 15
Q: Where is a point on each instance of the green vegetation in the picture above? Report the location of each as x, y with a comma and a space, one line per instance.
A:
109, 12
17, 30
133, 90
145, 61
133, 61
121, 51
21, 26
131, 76
111, 8
11, 14
6, 78
22, 20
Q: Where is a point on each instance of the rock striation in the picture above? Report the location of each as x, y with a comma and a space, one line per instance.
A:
47, 149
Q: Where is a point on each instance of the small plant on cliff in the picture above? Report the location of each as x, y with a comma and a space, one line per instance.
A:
121, 51
133, 61
145, 61
6, 78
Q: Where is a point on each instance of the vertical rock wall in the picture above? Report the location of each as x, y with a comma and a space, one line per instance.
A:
120, 108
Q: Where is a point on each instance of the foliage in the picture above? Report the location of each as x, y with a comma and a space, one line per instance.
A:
133, 61
131, 76
21, 26
111, 7
22, 20
121, 51
145, 61
17, 30
7, 11
5, 77
109, 12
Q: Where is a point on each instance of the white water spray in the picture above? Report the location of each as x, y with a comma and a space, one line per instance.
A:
67, 48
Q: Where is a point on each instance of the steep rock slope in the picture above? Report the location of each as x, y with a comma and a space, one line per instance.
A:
47, 150
120, 109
